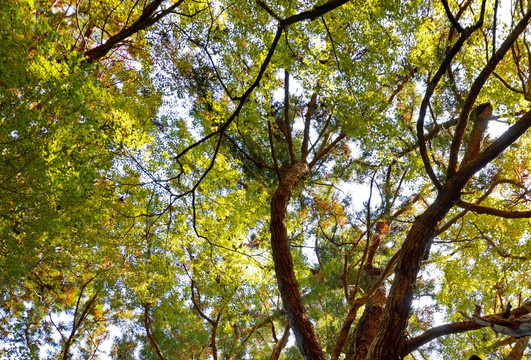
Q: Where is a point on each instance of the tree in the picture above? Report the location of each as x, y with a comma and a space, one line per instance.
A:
200, 175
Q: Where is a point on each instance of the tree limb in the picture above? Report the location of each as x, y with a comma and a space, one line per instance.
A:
480, 209
476, 87
145, 20
147, 326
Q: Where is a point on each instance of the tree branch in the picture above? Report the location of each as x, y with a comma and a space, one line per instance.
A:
287, 122
308, 119
476, 87
281, 343
426, 101
314, 13
145, 20
436, 332
451, 17
480, 209
147, 326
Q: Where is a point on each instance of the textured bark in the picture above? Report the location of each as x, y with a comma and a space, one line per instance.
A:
287, 283
390, 340
389, 343
275, 355
368, 325
436, 332
518, 350
480, 117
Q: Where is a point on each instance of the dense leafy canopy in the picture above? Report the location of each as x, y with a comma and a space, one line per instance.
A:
265, 179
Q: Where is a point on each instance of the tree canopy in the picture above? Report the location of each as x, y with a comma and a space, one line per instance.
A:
189, 179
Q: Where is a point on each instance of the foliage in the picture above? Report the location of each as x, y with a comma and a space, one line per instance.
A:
146, 147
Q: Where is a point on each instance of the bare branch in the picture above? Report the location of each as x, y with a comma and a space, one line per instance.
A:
451, 17
479, 209
314, 13
147, 325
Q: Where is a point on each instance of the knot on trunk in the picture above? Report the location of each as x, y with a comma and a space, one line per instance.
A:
295, 174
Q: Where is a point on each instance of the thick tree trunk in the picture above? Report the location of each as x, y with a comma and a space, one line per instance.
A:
287, 283
389, 343
368, 324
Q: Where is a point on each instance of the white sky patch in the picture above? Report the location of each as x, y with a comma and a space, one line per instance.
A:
496, 128
360, 194
295, 87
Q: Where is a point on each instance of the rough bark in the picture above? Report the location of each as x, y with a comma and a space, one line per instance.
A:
480, 117
390, 340
368, 324
518, 350
436, 332
287, 283
275, 355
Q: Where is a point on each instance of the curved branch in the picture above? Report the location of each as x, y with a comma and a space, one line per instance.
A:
480, 209
496, 147
445, 65
324, 150
288, 286
145, 20
242, 98
461, 327
281, 343
506, 84
257, 162
451, 17
476, 87
147, 326
314, 13
518, 350
436, 332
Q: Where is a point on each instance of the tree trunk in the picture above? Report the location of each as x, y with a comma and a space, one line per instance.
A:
368, 324
518, 350
275, 355
389, 343
287, 283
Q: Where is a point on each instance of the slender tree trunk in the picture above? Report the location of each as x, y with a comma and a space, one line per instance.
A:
368, 324
275, 355
287, 283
